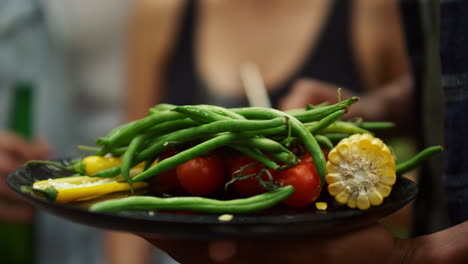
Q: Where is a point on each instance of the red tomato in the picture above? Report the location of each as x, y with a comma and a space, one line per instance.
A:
167, 181
306, 182
250, 186
308, 158
201, 175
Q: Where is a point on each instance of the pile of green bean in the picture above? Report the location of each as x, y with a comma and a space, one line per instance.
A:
263, 134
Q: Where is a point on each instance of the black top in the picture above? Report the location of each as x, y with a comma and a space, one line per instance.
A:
332, 61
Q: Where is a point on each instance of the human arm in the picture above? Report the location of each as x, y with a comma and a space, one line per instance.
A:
151, 30
14, 152
372, 244
388, 90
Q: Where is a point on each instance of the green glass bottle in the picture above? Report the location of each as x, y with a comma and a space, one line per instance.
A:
17, 238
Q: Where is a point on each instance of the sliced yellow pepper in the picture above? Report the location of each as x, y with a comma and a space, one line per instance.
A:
76, 188
94, 164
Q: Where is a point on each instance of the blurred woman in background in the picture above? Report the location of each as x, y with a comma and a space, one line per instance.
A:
189, 52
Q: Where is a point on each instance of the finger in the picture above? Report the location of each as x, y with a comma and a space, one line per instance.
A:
222, 251
41, 149
9, 163
297, 97
309, 91
15, 144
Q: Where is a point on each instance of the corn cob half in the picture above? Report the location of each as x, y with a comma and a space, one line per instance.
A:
361, 171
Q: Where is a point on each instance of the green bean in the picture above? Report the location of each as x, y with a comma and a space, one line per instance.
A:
160, 107
344, 127
336, 137
170, 126
324, 142
107, 173
197, 204
376, 125
129, 156
262, 143
156, 130
128, 132
187, 155
305, 116
311, 126
257, 155
299, 129
271, 147
200, 115
207, 113
417, 159
189, 134
221, 111
299, 111
295, 111
325, 122
118, 130
321, 112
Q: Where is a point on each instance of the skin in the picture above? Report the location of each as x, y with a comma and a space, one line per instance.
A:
230, 33
227, 35
14, 152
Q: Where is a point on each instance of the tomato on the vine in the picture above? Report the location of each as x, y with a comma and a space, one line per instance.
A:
202, 175
305, 180
249, 186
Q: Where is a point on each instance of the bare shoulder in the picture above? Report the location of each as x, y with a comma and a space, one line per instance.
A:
148, 11
379, 40
378, 11
153, 25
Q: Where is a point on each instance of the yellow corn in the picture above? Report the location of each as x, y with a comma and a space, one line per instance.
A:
71, 189
322, 206
361, 171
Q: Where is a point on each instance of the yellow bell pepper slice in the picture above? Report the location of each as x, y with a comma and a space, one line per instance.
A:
76, 188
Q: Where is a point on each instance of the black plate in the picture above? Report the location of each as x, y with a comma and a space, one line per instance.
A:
275, 222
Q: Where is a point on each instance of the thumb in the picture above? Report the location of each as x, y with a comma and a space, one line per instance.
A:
42, 149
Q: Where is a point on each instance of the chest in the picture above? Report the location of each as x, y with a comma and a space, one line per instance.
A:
277, 40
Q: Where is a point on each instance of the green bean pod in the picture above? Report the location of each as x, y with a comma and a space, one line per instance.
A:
375, 125
199, 114
189, 134
305, 116
344, 127
321, 112
186, 155
257, 155
197, 204
324, 142
271, 147
325, 122
107, 173
336, 137
299, 129
129, 156
125, 135
417, 159
160, 107
219, 110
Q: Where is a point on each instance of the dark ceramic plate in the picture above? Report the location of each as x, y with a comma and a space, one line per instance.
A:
275, 222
